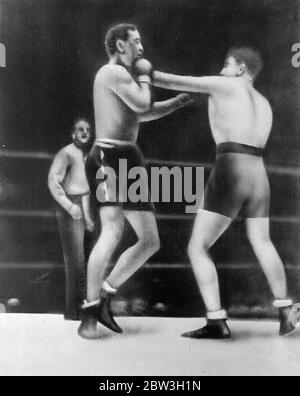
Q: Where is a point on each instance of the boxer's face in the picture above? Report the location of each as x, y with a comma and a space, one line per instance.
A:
232, 68
132, 48
82, 132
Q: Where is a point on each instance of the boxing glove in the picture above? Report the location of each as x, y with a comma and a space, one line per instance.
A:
143, 69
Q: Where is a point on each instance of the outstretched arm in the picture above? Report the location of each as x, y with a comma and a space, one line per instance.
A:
206, 85
162, 109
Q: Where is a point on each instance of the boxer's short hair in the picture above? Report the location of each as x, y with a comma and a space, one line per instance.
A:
249, 56
117, 32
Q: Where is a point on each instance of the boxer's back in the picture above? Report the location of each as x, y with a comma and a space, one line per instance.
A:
241, 115
262, 118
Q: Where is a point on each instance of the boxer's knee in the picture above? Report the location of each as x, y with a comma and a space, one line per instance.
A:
258, 233
149, 242
154, 243
111, 214
112, 221
197, 248
201, 263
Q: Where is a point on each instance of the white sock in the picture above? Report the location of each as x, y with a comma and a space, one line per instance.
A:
282, 303
217, 315
107, 287
89, 304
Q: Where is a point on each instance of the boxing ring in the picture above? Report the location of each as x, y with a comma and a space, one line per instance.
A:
51, 63
34, 342
47, 345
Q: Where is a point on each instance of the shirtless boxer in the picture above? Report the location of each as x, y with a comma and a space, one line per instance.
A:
69, 187
241, 121
122, 99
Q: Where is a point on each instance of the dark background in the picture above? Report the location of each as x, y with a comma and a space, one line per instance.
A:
54, 49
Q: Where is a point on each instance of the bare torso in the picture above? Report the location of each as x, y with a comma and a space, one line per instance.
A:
113, 118
242, 116
75, 181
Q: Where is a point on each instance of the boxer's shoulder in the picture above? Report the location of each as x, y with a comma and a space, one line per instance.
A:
262, 98
112, 70
111, 74
225, 85
235, 83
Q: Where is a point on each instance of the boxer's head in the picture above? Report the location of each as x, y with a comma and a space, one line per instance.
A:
82, 133
242, 61
124, 42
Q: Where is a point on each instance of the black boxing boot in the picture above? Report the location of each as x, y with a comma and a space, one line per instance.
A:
215, 329
287, 316
104, 313
88, 327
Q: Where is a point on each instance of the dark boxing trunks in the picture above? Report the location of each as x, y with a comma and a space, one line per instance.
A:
107, 169
238, 182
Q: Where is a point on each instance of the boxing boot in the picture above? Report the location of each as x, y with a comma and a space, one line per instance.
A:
104, 313
88, 327
216, 327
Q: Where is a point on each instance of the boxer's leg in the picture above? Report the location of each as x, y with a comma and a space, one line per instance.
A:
207, 230
112, 223
258, 230
133, 258
145, 227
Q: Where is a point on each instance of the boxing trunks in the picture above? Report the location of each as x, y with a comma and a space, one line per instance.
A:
107, 169
238, 182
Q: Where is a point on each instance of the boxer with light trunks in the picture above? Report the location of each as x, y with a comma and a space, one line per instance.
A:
241, 121
122, 99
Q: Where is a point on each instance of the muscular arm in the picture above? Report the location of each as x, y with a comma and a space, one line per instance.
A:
56, 177
206, 85
136, 96
162, 109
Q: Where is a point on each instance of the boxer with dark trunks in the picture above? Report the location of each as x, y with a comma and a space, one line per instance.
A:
241, 121
106, 155
122, 99
69, 187
238, 181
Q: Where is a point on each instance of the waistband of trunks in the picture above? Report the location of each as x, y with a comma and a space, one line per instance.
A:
77, 197
110, 143
232, 147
